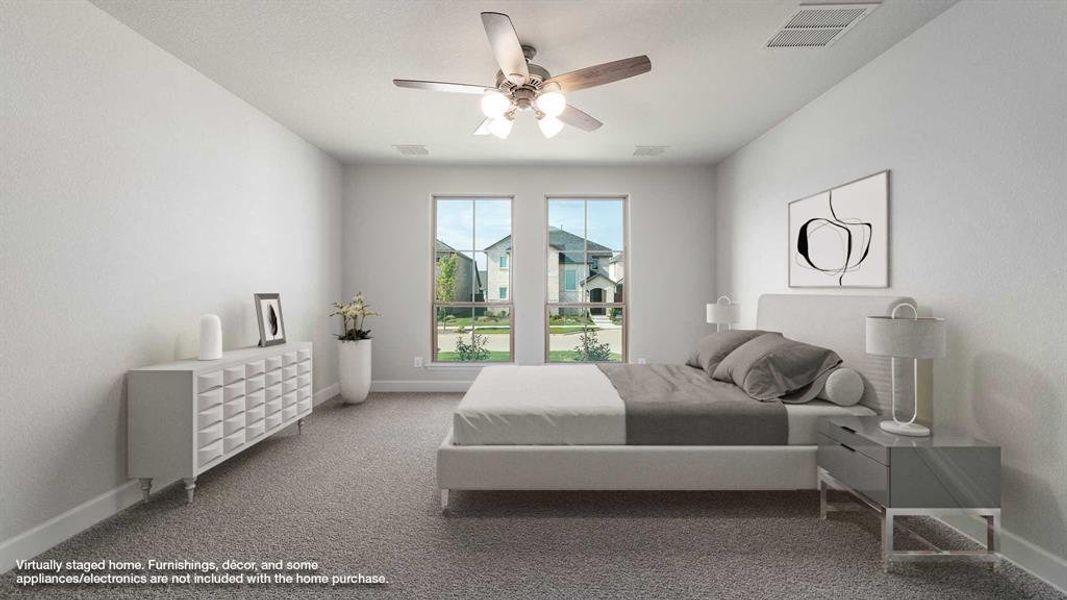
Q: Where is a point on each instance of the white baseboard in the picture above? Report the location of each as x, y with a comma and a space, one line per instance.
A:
56, 530
420, 386
60, 528
1031, 558
325, 394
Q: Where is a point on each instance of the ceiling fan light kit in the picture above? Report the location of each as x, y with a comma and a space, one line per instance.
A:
527, 87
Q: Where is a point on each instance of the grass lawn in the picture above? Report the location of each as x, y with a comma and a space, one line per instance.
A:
503, 356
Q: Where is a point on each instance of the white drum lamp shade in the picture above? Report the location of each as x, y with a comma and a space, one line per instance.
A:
723, 313
903, 337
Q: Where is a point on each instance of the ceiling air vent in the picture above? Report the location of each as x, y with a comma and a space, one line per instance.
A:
649, 150
817, 25
412, 149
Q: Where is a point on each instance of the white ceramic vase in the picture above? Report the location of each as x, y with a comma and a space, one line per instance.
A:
355, 367
210, 338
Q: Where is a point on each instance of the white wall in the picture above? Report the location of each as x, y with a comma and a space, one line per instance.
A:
137, 195
387, 241
969, 114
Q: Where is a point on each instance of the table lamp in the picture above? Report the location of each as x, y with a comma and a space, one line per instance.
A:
724, 313
916, 337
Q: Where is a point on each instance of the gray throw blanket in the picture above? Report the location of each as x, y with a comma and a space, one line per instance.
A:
677, 405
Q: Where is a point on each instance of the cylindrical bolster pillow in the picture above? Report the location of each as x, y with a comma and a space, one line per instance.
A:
844, 387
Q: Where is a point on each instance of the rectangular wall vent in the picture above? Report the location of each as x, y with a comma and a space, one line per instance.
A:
412, 149
817, 25
649, 150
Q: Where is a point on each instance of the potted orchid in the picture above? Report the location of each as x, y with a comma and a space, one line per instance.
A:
354, 348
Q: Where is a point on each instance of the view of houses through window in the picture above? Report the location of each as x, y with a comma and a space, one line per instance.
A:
586, 300
471, 303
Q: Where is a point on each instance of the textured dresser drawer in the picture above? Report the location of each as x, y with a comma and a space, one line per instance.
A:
233, 374
273, 406
208, 399
274, 391
289, 399
254, 430
208, 435
233, 441
256, 367
273, 421
303, 381
289, 386
303, 368
854, 469
274, 362
254, 414
209, 453
234, 407
255, 384
303, 355
289, 372
304, 393
288, 414
272, 378
303, 406
234, 390
288, 358
207, 381
233, 424
255, 399
847, 436
209, 417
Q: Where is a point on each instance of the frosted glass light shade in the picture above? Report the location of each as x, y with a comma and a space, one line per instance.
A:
495, 104
551, 100
549, 126
906, 337
720, 314
500, 127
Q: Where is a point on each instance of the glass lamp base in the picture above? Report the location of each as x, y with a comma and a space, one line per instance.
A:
912, 429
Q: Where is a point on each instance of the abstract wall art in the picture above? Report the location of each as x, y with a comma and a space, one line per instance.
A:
840, 237
269, 315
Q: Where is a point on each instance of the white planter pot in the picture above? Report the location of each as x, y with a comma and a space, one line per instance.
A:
354, 359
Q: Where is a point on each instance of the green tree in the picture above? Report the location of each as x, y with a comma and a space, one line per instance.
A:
447, 269
589, 348
477, 350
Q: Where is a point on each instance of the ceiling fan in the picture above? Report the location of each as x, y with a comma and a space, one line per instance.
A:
524, 86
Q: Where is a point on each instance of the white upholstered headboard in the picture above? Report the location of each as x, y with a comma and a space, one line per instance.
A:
837, 322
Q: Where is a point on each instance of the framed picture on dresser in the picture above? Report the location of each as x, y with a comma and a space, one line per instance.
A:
840, 237
269, 317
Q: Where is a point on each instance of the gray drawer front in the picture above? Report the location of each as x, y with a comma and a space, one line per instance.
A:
848, 437
854, 469
945, 478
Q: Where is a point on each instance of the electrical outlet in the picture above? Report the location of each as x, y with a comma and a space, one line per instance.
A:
641, 361
418, 362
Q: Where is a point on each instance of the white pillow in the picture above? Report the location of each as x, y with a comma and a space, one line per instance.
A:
844, 387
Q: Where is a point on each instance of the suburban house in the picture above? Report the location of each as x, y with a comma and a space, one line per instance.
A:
577, 271
468, 280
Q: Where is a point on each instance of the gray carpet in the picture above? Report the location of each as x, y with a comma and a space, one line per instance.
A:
356, 492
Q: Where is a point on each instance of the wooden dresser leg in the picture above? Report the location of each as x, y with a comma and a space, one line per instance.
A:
190, 487
146, 487
299, 426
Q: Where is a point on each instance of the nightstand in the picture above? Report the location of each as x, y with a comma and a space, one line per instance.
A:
946, 473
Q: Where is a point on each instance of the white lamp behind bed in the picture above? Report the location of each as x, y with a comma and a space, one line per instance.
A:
914, 338
724, 313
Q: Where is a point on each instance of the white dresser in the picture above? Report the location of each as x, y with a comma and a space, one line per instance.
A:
185, 417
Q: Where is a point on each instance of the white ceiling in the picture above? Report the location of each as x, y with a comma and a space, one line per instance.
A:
324, 69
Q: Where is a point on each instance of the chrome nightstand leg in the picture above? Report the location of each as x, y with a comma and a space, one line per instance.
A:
822, 498
887, 538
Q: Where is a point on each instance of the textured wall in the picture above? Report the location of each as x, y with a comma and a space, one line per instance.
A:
387, 237
137, 194
969, 114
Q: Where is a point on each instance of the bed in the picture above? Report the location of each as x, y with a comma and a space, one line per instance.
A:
564, 427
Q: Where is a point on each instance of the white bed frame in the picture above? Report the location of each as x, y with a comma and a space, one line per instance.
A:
833, 321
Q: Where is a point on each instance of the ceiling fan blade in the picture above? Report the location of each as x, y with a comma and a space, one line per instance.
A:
440, 86
483, 127
601, 74
576, 118
506, 47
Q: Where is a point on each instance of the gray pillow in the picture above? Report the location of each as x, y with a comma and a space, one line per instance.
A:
771, 366
711, 349
843, 387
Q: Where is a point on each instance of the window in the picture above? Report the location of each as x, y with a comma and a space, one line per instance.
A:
471, 242
586, 300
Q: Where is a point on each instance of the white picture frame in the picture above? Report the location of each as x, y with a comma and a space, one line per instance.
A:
839, 238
